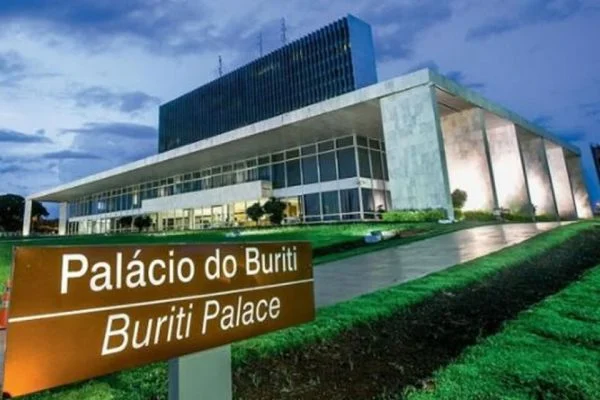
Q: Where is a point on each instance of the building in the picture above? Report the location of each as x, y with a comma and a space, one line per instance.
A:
405, 143
596, 156
334, 60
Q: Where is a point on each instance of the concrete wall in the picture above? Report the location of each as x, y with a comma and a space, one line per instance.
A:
580, 193
27, 217
507, 167
62, 218
533, 152
560, 181
467, 160
415, 150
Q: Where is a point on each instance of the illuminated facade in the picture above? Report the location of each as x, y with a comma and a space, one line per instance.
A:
405, 143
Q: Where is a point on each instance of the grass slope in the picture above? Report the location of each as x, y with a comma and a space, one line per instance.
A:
149, 382
549, 352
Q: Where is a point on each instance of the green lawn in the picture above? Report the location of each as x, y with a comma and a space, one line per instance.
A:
150, 381
319, 236
549, 352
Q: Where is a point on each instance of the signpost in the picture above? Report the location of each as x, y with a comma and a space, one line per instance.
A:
82, 312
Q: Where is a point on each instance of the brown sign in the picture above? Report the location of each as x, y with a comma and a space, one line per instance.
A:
80, 312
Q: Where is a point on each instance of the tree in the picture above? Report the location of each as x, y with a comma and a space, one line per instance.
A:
142, 221
12, 208
125, 222
275, 208
255, 212
459, 198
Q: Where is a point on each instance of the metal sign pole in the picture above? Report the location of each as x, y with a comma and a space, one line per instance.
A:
201, 376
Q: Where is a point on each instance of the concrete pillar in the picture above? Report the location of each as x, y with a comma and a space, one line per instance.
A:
191, 219
541, 191
27, 217
507, 168
560, 181
415, 150
467, 158
62, 218
580, 193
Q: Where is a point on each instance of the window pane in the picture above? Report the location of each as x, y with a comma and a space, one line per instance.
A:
264, 173
368, 204
277, 157
374, 144
330, 202
278, 176
312, 204
309, 170
349, 200
385, 170
376, 161
363, 161
327, 167
344, 142
264, 160
293, 172
326, 146
292, 154
362, 141
346, 163
309, 150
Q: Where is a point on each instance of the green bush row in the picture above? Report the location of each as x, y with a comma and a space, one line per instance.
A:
425, 215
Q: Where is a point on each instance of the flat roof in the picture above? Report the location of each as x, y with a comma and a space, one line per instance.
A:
356, 111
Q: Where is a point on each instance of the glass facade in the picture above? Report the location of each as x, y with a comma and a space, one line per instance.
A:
318, 163
334, 60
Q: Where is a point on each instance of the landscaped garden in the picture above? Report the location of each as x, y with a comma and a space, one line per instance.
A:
389, 344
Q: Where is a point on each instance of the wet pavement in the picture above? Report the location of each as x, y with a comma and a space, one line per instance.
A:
345, 279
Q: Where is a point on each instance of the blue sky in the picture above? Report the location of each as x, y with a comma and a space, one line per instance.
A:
81, 81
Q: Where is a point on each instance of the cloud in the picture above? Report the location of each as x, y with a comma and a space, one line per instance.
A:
544, 121
10, 136
591, 110
9, 169
457, 76
120, 129
70, 155
126, 102
12, 68
527, 12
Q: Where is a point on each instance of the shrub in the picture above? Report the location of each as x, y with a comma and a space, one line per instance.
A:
255, 212
545, 218
479, 215
459, 198
458, 214
425, 215
275, 208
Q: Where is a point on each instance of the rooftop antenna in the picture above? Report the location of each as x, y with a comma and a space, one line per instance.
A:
283, 32
260, 44
220, 66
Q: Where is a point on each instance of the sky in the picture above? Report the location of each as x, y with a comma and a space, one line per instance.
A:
81, 81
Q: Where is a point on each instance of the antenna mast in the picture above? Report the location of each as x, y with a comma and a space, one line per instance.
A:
220, 66
260, 43
283, 32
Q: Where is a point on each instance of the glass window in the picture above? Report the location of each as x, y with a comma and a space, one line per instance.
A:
368, 204
379, 199
264, 160
376, 161
363, 162
385, 169
362, 141
325, 146
307, 150
327, 167
374, 144
264, 173
251, 162
346, 163
277, 157
309, 170
293, 172
312, 204
344, 142
349, 200
292, 154
330, 202
278, 176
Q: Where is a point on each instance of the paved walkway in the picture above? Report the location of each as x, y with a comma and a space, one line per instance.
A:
345, 279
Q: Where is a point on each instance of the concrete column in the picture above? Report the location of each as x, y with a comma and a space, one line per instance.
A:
191, 219
62, 218
580, 193
541, 191
415, 150
560, 180
27, 218
469, 168
507, 168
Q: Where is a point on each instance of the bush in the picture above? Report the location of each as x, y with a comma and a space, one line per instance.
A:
275, 208
479, 215
459, 198
458, 214
425, 215
545, 218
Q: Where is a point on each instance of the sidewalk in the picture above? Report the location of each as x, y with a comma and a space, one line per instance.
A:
351, 277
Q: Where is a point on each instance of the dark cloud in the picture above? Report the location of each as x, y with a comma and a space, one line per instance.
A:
528, 12
9, 169
459, 76
10, 136
572, 136
70, 155
122, 129
396, 24
126, 102
12, 68
591, 110
432, 65
544, 121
